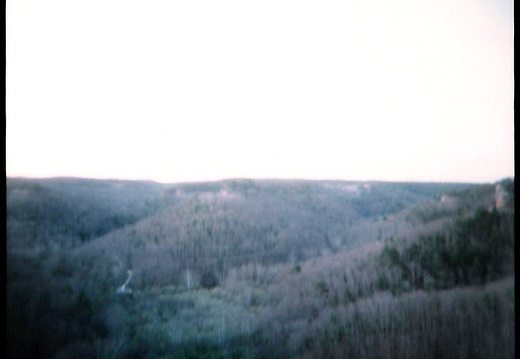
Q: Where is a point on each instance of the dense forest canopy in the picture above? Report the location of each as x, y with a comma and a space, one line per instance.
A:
259, 268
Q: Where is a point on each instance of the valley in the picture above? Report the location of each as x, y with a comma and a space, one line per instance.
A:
259, 269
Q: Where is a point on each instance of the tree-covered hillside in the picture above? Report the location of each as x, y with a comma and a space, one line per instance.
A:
259, 268
47, 211
447, 294
214, 228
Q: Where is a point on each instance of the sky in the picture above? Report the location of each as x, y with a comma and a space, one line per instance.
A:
198, 90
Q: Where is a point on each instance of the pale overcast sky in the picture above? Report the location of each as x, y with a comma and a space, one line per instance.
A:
201, 90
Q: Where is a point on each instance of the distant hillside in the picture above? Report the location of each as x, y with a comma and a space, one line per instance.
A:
211, 228
64, 210
44, 211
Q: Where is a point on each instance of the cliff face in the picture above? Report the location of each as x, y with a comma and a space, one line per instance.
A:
502, 197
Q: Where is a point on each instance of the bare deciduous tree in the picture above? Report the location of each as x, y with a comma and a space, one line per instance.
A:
123, 289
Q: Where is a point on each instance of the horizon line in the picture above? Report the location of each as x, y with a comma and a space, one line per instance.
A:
266, 179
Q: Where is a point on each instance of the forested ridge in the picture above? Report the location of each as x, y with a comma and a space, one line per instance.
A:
259, 268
